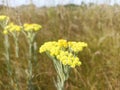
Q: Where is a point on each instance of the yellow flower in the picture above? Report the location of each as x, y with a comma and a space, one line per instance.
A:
67, 58
62, 43
37, 27
77, 46
3, 18
61, 50
26, 24
5, 32
32, 27
50, 47
18, 28
12, 28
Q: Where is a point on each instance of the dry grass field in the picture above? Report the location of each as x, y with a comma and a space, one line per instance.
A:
97, 25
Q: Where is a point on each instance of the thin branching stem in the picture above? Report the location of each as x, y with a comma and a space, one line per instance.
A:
30, 39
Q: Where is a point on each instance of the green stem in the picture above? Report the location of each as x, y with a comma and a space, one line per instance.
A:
62, 73
35, 52
16, 47
7, 57
30, 87
15, 36
30, 66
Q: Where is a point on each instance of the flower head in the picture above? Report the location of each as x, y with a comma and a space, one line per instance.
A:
32, 27
77, 46
5, 32
12, 28
62, 43
3, 18
61, 50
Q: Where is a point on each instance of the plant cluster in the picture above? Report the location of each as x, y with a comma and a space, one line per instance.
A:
29, 30
64, 56
63, 53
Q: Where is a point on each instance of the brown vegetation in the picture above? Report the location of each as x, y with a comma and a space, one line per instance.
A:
98, 25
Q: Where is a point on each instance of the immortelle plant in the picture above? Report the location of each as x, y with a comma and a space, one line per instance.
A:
14, 30
63, 53
30, 31
4, 20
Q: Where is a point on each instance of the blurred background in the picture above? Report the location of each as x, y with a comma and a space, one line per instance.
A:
96, 22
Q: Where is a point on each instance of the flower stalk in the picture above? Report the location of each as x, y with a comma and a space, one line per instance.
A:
14, 30
30, 33
64, 57
62, 73
35, 48
15, 37
7, 55
30, 42
4, 20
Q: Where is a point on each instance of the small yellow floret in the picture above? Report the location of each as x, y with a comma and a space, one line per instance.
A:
77, 46
5, 32
32, 27
62, 43
13, 28
3, 18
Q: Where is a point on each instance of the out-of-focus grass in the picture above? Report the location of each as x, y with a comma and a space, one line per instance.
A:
98, 25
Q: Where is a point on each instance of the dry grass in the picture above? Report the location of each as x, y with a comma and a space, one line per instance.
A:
96, 25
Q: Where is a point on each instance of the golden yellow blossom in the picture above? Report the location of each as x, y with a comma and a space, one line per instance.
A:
32, 27
12, 28
77, 46
62, 43
5, 32
61, 50
3, 18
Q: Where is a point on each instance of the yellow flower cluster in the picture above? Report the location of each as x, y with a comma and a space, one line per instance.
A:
15, 28
68, 58
32, 27
77, 46
51, 47
62, 43
12, 28
3, 18
61, 50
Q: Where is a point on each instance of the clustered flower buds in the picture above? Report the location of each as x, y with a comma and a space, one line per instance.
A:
3, 18
65, 52
12, 28
30, 31
32, 27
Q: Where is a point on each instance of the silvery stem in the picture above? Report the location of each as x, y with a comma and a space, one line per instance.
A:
30, 87
62, 73
7, 56
16, 47
15, 36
